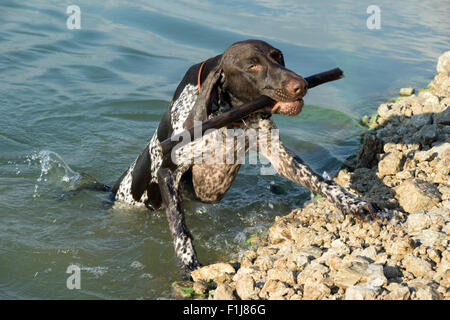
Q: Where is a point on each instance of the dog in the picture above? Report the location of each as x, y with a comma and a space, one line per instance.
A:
244, 72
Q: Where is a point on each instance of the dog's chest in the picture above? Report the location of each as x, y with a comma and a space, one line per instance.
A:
215, 161
182, 106
179, 111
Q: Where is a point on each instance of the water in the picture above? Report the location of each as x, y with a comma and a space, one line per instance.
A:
76, 102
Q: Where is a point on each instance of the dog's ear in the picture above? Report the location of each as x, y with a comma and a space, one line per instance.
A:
208, 98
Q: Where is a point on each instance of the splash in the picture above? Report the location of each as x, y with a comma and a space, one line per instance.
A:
54, 171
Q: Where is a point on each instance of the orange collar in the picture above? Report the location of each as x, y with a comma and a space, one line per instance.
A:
240, 122
200, 74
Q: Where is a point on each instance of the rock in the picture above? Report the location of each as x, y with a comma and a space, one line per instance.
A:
443, 64
404, 175
437, 151
406, 91
212, 271
315, 271
247, 258
223, 292
385, 110
438, 80
279, 232
331, 259
369, 149
360, 273
445, 103
391, 163
442, 105
245, 287
445, 278
414, 195
431, 102
267, 249
354, 259
274, 288
442, 168
431, 238
311, 252
443, 118
340, 247
403, 164
434, 255
284, 249
281, 275
422, 156
200, 286
254, 272
446, 229
420, 120
253, 239
364, 292
400, 293
445, 86
184, 288
418, 221
446, 255
285, 263
314, 290
264, 262
304, 237
301, 261
400, 246
417, 105
427, 293
417, 266
381, 258
426, 135
343, 178
445, 191
370, 253
391, 271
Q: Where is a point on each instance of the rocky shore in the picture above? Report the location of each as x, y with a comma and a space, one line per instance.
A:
314, 252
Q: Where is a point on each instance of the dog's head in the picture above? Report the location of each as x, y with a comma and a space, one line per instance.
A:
251, 68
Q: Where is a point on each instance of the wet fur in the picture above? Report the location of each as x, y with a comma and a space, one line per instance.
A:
153, 180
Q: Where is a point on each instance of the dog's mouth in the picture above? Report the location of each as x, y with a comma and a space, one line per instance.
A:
291, 108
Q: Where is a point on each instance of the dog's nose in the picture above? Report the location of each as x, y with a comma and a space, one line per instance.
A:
296, 87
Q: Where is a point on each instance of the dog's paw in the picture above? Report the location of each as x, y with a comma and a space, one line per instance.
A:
362, 209
193, 266
186, 270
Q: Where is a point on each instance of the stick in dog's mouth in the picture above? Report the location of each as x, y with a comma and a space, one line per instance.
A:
262, 103
293, 108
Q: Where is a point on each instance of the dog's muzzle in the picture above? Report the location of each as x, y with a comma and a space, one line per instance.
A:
291, 109
289, 98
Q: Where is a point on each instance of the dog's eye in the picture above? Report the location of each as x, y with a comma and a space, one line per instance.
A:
253, 67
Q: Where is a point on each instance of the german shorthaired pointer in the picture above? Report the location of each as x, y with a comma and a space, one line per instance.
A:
244, 72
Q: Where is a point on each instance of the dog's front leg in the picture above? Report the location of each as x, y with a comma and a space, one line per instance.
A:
294, 168
182, 238
291, 166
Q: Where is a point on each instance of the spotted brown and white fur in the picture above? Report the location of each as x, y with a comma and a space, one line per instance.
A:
179, 110
154, 181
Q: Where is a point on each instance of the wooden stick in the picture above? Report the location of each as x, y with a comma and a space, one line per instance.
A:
236, 114
323, 77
